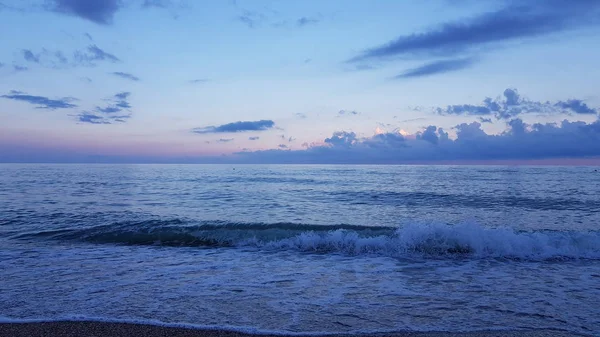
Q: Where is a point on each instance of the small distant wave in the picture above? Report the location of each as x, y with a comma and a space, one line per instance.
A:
432, 240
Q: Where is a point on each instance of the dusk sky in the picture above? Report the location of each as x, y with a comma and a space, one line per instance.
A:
299, 81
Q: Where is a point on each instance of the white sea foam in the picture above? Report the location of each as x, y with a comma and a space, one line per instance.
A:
446, 240
425, 240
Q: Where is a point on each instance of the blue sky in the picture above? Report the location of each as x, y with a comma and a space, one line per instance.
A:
304, 81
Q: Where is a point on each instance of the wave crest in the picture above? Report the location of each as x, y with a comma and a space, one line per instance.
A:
433, 240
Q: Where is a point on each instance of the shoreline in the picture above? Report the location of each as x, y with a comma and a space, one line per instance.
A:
118, 329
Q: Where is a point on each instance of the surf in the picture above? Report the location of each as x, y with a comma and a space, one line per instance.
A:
424, 240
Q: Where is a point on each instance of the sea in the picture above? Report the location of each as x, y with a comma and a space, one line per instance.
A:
294, 249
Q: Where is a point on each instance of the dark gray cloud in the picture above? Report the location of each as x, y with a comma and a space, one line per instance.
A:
41, 102
519, 142
305, 21
485, 120
260, 125
511, 104
117, 110
437, 67
97, 11
126, 76
254, 138
517, 20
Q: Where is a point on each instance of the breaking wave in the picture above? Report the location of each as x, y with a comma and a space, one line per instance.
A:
433, 240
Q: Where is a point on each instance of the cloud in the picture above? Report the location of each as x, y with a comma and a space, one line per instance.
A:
97, 11
94, 54
270, 17
156, 3
254, 138
225, 140
88, 36
118, 103
348, 113
282, 146
199, 80
1, 64
301, 115
438, 67
126, 76
252, 19
41, 102
520, 141
85, 117
576, 106
57, 59
261, 125
30, 57
363, 66
412, 119
517, 20
485, 120
117, 110
511, 104
305, 21
18, 68
62, 59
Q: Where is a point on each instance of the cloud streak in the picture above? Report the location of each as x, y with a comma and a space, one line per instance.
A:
438, 67
126, 76
518, 20
41, 102
94, 54
58, 59
261, 125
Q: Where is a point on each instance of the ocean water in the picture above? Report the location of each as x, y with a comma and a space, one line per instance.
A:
294, 249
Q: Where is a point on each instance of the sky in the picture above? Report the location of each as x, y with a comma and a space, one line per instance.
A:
332, 82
